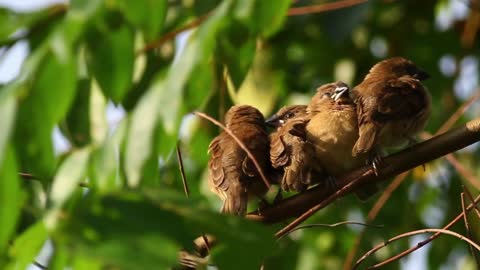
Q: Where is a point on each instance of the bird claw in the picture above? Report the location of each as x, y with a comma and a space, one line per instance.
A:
375, 161
331, 183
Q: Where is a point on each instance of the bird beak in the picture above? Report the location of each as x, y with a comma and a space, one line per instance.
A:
339, 92
274, 121
422, 75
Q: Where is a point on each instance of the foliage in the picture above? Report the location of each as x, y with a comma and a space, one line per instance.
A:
114, 197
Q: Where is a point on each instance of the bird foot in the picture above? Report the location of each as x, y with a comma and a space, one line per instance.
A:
376, 160
331, 183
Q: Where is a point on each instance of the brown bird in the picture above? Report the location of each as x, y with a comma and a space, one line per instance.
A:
289, 150
392, 106
232, 174
333, 130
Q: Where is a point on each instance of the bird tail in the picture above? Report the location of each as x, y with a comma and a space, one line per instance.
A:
366, 139
235, 202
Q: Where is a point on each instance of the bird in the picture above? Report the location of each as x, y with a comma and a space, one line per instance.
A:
290, 152
232, 174
333, 131
392, 106
285, 113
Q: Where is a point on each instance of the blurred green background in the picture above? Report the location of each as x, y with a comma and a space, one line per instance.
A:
98, 93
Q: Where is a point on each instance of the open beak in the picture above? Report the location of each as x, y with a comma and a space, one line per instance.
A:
339, 92
274, 121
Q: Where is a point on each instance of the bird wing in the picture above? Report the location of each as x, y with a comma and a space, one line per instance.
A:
278, 154
402, 98
297, 128
215, 164
368, 129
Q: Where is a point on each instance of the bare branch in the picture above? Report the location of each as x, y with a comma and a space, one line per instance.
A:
320, 196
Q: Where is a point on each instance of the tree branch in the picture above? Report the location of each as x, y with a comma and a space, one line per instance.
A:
319, 196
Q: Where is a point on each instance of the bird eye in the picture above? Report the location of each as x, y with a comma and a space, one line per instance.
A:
289, 115
327, 94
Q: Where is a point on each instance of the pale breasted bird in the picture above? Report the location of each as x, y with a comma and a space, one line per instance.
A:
289, 150
333, 130
392, 106
232, 174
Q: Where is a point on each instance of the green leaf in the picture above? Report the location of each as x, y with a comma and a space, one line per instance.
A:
27, 246
51, 93
164, 223
105, 163
110, 57
70, 173
262, 83
11, 198
8, 106
270, 15
162, 102
11, 21
76, 126
60, 258
237, 53
147, 15
262, 16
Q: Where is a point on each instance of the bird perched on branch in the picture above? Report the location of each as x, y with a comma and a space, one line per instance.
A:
232, 174
289, 150
333, 130
392, 106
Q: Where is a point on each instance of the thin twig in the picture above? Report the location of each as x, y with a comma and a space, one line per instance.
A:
333, 225
428, 240
172, 34
464, 172
182, 171
468, 230
458, 113
324, 7
39, 265
403, 235
386, 194
28, 176
470, 197
239, 142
